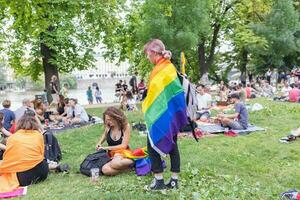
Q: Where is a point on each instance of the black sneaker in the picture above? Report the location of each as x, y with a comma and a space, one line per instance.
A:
172, 184
157, 184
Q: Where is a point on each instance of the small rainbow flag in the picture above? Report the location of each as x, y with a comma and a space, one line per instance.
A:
164, 107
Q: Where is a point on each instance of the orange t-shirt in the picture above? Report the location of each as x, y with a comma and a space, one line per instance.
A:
24, 150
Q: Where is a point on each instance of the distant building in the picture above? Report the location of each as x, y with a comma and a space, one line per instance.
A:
103, 69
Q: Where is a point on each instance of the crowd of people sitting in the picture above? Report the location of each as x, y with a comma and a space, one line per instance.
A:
128, 97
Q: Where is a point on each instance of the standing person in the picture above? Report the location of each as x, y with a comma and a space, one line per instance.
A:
274, 77
268, 75
65, 91
98, 95
54, 89
9, 116
125, 86
133, 83
89, 94
165, 113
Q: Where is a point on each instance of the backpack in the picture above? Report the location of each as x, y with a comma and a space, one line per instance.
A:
190, 100
94, 160
140, 127
52, 149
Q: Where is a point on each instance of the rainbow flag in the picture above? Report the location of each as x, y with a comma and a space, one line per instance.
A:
164, 107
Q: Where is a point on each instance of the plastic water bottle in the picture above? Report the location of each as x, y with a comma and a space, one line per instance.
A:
95, 174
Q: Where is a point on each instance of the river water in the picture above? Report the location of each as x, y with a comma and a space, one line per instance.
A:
80, 94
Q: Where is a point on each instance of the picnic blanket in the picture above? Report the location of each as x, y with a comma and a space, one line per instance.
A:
217, 128
16, 193
61, 128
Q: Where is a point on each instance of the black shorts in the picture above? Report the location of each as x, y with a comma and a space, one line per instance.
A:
34, 175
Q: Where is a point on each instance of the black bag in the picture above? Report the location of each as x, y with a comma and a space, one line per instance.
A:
189, 127
52, 149
94, 160
140, 127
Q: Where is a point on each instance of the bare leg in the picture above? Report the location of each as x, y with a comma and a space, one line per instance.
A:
226, 121
120, 163
109, 171
76, 120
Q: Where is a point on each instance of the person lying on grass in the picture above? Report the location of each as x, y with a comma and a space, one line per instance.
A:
117, 135
241, 114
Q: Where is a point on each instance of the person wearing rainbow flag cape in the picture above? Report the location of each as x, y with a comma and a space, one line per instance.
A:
165, 113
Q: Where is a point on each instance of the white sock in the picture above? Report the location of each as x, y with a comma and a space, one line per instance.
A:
174, 176
158, 176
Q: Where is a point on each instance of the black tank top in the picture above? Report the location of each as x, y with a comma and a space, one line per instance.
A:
112, 142
61, 109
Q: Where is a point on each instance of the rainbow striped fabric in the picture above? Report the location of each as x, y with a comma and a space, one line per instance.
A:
164, 107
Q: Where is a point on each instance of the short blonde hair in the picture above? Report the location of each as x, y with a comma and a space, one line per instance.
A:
6, 103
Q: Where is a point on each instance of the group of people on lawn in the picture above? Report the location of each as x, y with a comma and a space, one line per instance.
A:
23, 159
128, 97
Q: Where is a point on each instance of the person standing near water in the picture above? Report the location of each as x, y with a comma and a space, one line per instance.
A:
89, 94
165, 113
98, 95
54, 89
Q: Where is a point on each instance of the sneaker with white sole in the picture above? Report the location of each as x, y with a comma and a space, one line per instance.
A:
157, 184
172, 184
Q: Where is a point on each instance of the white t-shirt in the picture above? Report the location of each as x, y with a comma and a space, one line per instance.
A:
204, 101
78, 111
285, 91
131, 103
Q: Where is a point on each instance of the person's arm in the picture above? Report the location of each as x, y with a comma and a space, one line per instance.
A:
2, 147
5, 132
102, 139
230, 116
125, 141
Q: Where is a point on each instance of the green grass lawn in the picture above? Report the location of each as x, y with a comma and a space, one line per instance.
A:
255, 166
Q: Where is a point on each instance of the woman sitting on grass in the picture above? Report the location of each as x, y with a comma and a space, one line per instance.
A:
23, 160
117, 135
40, 109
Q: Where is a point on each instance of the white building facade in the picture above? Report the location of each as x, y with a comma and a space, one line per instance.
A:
103, 69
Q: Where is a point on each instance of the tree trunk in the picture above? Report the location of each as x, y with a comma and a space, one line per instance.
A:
202, 60
49, 69
244, 61
204, 64
47, 55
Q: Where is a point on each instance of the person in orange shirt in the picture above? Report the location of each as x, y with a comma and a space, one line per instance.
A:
23, 160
